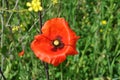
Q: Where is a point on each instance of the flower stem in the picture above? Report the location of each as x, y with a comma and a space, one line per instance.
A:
40, 21
2, 74
7, 4
45, 64
2, 38
46, 70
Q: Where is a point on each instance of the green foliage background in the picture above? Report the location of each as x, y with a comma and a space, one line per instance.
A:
98, 47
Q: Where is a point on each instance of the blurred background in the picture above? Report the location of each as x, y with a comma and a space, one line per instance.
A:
97, 22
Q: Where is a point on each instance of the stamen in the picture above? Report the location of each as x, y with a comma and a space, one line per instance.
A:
56, 42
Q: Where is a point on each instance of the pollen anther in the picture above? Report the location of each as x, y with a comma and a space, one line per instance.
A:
56, 42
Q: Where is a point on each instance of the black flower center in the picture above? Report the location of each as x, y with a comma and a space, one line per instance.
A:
57, 43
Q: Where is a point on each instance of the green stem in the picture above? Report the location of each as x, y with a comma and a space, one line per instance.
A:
46, 70
7, 4
40, 21
45, 64
2, 74
7, 23
2, 37
61, 72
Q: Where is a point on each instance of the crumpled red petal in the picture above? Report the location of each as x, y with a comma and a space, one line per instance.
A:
58, 26
42, 48
21, 53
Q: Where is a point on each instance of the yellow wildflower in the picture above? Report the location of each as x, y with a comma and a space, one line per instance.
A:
22, 27
101, 30
54, 1
103, 22
15, 28
34, 5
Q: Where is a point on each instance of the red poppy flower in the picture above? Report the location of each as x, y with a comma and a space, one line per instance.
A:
21, 53
56, 42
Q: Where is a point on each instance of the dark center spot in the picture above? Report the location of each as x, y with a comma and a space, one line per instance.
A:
57, 43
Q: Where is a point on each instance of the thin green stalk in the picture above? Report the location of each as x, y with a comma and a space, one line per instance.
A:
2, 74
61, 72
7, 4
12, 13
45, 64
1, 44
46, 70
2, 36
40, 21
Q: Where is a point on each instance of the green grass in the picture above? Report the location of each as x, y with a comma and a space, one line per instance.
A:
98, 46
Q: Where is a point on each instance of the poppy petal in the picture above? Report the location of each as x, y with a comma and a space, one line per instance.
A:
21, 53
59, 27
42, 48
58, 59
